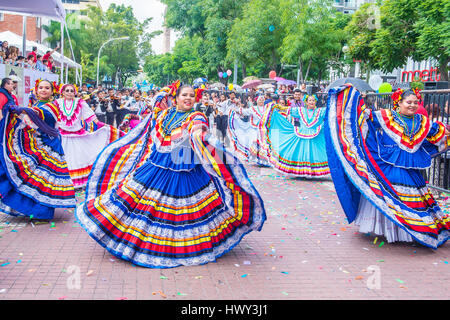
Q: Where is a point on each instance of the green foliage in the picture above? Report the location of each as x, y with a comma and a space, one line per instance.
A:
119, 59
419, 29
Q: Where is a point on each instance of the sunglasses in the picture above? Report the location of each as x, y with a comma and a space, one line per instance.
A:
69, 90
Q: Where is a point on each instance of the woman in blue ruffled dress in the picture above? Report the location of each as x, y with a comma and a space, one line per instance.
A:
295, 140
34, 178
168, 194
376, 158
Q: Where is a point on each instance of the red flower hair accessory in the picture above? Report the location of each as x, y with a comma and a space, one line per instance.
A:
173, 88
417, 92
198, 94
397, 96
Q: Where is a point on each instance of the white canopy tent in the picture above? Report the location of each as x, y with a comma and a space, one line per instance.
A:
52, 9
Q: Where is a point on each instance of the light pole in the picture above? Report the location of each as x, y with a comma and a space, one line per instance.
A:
100, 50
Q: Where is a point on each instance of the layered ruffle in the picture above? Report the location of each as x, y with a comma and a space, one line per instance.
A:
144, 206
399, 193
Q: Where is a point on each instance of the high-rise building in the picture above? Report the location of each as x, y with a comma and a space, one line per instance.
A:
349, 6
166, 35
78, 6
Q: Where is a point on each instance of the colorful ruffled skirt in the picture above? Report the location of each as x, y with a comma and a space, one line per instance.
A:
34, 178
293, 151
378, 177
167, 209
82, 148
242, 135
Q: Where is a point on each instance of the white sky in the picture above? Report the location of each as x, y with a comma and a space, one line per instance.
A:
144, 9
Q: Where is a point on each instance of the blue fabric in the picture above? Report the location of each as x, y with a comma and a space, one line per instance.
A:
24, 204
290, 146
174, 177
349, 196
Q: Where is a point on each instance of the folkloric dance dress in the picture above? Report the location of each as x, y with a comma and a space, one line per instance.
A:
243, 135
34, 178
258, 152
167, 194
82, 138
295, 141
376, 158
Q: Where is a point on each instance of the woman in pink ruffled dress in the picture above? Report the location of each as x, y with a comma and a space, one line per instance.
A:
83, 136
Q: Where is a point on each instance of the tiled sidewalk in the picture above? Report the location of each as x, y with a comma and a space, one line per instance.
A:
306, 250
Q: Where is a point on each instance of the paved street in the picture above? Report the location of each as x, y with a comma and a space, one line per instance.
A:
306, 250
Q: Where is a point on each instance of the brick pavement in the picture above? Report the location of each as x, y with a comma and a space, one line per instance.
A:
306, 250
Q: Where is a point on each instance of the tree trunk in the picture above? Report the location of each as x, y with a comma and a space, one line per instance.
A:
443, 70
300, 73
307, 70
244, 70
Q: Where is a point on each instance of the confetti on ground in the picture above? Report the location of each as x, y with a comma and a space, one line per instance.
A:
89, 272
160, 292
399, 281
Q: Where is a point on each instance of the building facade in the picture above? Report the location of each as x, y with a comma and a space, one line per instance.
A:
14, 23
78, 6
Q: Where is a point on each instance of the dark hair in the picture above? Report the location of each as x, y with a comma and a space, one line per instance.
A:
407, 93
298, 90
30, 57
34, 48
5, 81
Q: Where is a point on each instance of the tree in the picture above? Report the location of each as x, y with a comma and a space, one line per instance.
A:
314, 35
185, 63
257, 36
120, 59
417, 29
211, 20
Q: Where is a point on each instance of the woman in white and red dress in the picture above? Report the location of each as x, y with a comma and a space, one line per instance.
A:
83, 136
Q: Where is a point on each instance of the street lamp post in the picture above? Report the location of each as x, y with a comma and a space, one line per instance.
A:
100, 50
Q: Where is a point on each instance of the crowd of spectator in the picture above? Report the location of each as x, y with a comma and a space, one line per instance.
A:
34, 60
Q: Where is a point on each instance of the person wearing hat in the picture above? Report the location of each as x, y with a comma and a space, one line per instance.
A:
15, 79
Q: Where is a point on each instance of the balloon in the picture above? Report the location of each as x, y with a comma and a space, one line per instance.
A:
272, 74
230, 86
271, 28
385, 87
229, 72
203, 86
224, 75
220, 74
